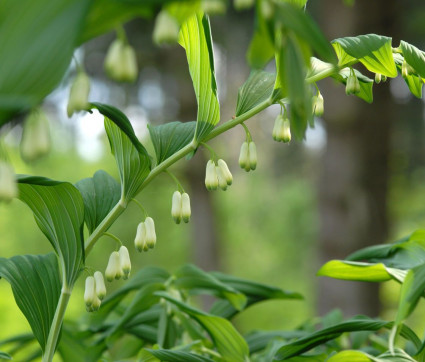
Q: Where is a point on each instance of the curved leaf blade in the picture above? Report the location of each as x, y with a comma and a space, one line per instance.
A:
177, 356
352, 356
58, 209
36, 287
195, 37
414, 57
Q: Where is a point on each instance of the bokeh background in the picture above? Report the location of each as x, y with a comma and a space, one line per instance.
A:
357, 179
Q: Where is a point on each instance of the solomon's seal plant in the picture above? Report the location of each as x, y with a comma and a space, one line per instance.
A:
73, 218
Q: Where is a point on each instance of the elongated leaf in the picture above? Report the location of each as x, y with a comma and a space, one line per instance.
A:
171, 137
37, 40
352, 356
133, 166
226, 338
349, 270
295, 19
121, 120
398, 355
366, 84
195, 37
258, 88
100, 194
4, 355
177, 356
36, 287
352, 325
258, 340
194, 279
414, 57
373, 51
59, 212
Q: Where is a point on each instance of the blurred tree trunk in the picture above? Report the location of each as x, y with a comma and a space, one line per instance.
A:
354, 180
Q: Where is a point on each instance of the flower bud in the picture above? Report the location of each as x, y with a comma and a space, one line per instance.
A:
100, 285
252, 154
125, 261
285, 131
166, 30
121, 62
112, 63
213, 7
378, 78
267, 9
130, 70
89, 292
150, 232
8, 187
384, 78
406, 69
318, 105
35, 142
185, 210
353, 85
176, 207
221, 180
140, 240
113, 270
278, 122
79, 94
225, 170
243, 4
96, 304
211, 180
243, 156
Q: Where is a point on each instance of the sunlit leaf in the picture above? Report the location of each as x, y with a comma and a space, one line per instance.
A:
258, 88
413, 81
59, 212
373, 51
36, 287
37, 40
171, 137
319, 69
195, 37
100, 194
352, 356
414, 57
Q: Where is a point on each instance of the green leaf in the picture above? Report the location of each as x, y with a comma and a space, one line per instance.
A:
414, 57
177, 356
133, 166
413, 81
121, 120
171, 137
194, 279
195, 37
366, 84
373, 51
59, 212
37, 40
258, 340
352, 356
319, 68
350, 270
398, 355
36, 287
4, 355
258, 88
295, 19
229, 343
100, 194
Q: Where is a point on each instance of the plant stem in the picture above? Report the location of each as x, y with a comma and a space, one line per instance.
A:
55, 328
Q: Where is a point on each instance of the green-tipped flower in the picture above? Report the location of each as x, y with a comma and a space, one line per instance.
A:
8, 187
113, 270
244, 156
243, 4
140, 240
353, 85
185, 207
285, 132
384, 78
100, 285
406, 69
90, 291
213, 7
96, 304
211, 179
278, 122
150, 232
166, 30
252, 154
35, 142
79, 94
225, 171
125, 261
267, 9
378, 78
121, 62
318, 105
221, 179
176, 207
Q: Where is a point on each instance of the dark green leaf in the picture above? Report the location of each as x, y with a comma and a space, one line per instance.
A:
133, 166
171, 137
414, 57
226, 338
59, 212
195, 37
37, 40
373, 51
295, 19
36, 287
100, 194
4, 355
177, 356
258, 340
258, 88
